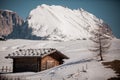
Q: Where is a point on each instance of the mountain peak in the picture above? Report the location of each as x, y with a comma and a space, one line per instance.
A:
60, 23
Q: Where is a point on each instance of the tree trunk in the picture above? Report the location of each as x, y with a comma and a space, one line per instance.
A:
101, 57
100, 54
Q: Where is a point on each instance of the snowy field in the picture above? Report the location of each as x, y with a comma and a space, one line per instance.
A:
82, 65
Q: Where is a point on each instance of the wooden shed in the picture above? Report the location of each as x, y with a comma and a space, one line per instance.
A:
36, 60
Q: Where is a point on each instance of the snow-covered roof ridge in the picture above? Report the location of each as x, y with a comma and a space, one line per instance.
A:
31, 52
42, 52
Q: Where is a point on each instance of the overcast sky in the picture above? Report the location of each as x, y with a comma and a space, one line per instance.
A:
108, 10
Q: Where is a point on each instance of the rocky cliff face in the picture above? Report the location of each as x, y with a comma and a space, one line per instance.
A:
9, 21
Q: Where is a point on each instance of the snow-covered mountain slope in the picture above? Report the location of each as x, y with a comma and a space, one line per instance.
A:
61, 23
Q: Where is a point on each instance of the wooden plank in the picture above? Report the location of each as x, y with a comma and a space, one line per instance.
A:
25, 64
48, 62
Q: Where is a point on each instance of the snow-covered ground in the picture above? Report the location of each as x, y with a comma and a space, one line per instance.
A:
82, 64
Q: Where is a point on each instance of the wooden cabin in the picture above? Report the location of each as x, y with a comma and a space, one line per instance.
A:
36, 60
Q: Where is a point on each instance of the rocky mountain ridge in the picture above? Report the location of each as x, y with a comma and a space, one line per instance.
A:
9, 21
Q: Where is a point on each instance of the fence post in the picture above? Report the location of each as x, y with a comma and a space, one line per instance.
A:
86, 67
6, 68
10, 69
2, 68
83, 68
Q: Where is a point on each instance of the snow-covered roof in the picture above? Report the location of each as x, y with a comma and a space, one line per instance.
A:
35, 53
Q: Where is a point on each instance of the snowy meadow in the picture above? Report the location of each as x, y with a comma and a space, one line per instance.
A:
82, 65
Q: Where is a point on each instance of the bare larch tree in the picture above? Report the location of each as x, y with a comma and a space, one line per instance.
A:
102, 40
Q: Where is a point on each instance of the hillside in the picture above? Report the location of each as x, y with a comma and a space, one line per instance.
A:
82, 65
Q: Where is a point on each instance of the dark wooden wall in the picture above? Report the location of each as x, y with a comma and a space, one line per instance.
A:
25, 64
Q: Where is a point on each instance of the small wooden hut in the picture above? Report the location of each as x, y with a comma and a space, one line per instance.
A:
36, 60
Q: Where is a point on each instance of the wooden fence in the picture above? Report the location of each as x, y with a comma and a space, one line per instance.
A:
5, 69
73, 76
